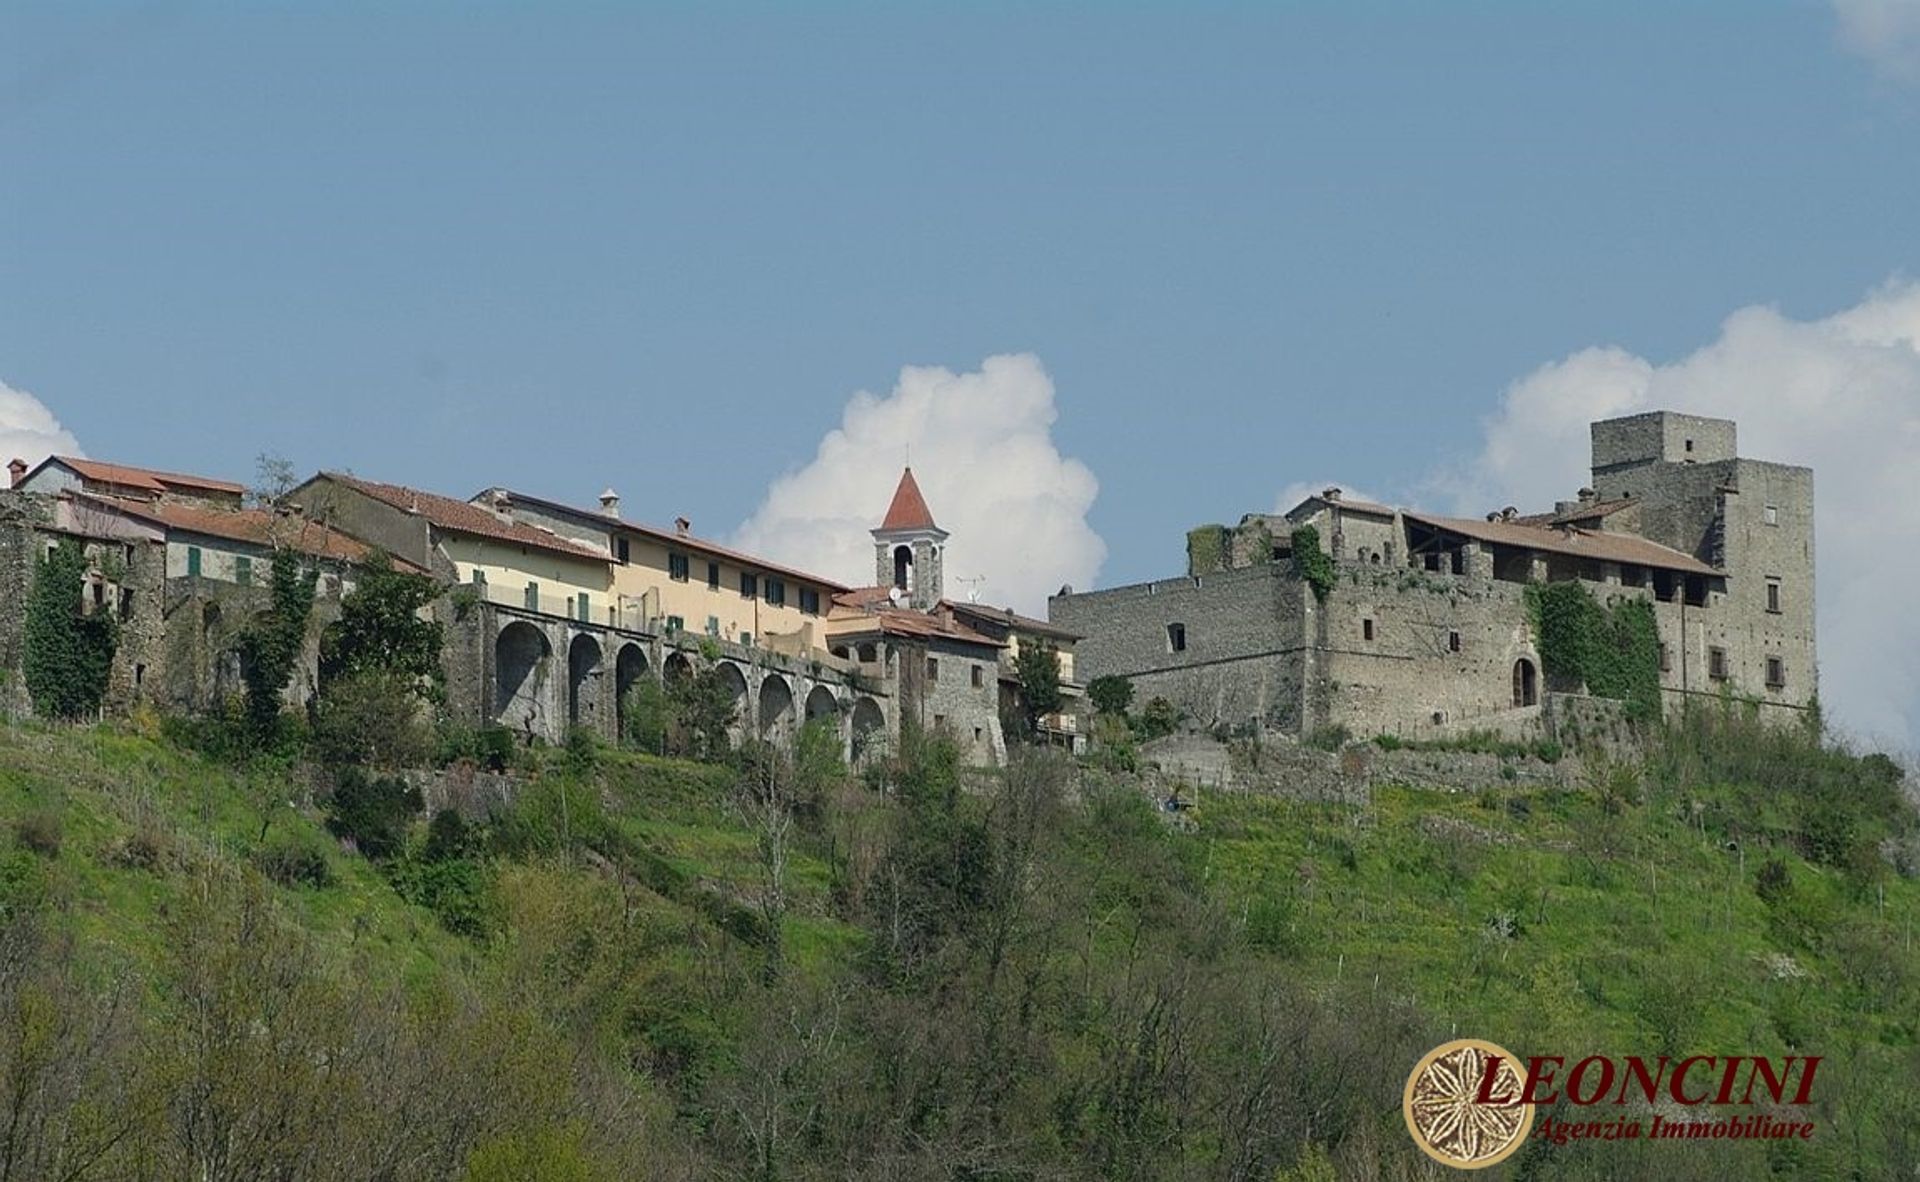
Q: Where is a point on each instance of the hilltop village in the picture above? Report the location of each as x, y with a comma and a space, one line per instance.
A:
1338, 613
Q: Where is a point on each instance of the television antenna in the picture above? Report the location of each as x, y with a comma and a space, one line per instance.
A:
973, 586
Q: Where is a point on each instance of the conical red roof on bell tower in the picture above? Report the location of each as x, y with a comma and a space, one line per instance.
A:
909, 509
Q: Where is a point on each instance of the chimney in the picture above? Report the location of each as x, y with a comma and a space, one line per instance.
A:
681, 526
1587, 496
1509, 513
499, 502
610, 503
1331, 493
18, 471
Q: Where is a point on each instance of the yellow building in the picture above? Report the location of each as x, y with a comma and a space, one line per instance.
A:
671, 581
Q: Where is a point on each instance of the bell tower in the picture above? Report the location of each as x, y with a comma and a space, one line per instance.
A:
908, 548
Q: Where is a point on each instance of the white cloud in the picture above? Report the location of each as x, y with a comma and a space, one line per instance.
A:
1840, 394
984, 457
1885, 32
28, 430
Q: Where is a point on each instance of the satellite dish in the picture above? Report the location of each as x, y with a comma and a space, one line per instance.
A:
893, 596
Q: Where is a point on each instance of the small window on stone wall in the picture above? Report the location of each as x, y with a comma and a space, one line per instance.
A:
1366, 629
1453, 642
1176, 638
1771, 515
1773, 596
933, 669
1666, 659
979, 677
1717, 664
1776, 673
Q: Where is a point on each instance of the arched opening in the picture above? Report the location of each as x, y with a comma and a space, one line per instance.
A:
903, 567
583, 675
776, 709
822, 704
628, 668
736, 683
519, 674
677, 668
869, 726
1526, 683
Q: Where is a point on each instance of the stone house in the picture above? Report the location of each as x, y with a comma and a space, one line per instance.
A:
1425, 629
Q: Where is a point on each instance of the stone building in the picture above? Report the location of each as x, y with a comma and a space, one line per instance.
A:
181, 562
1425, 629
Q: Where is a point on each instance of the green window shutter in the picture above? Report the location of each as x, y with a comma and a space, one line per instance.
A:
243, 570
586, 608
193, 560
533, 597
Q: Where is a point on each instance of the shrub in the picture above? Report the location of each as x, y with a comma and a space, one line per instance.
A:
371, 718
1110, 694
372, 813
1328, 738
294, 860
39, 832
1158, 717
458, 890
647, 717
1313, 564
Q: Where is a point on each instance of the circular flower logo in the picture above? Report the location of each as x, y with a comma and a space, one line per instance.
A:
1444, 1112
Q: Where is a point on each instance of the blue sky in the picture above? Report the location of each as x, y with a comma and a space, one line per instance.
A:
563, 246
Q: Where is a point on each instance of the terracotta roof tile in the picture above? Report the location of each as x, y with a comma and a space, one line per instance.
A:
258, 527
909, 509
467, 518
1010, 618
145, 479
1625, 548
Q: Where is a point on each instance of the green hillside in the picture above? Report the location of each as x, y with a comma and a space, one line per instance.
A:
653, 968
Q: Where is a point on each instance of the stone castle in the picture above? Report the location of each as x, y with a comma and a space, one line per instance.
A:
555, 612
1425, 631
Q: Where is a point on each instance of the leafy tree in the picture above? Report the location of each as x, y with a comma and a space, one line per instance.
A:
1111, 694
647, 717
69, 652
380, 629
372, 812
1312, 563
270, 644
702, 709
371, 718
1037, 666
1158, 717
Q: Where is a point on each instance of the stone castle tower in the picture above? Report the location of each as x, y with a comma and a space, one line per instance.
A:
908, 548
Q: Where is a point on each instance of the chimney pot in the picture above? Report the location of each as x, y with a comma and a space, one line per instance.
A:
18, 471
1330, 493
610, 503
1587, 496
682, 526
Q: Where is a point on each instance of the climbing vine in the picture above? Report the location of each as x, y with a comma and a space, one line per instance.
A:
1312, 563
1614, 651
272, 641
1207, 549
69, 652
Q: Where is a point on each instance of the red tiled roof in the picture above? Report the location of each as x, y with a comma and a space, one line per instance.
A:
1626, 548
1590, 511
466, 518
1372, 508
863, 597
1010, 618
258, 527
145, 479
906, 622
909, 509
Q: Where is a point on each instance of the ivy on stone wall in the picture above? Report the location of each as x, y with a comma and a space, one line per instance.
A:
271, 642
1312, 563
1614, 651
1207, 549
69, 652
1255, 540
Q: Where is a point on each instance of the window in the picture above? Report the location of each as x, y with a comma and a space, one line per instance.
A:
675, 624
776, 593
1717, 664
713, 625
1771, 515
749, 585
621, 551
584, 605
979, 677
1453, 642
139, 675
676, 567
533, 597
126, 603
1773, 596
1433, 562
713, 576
1666, 658
939, 722
1776, 673
933, 669
1689, 445
479, 577
1176, 638
976, 734
746, 640
809, 601
193, 561
1633, 576
868, 654
243, 570
1366, 629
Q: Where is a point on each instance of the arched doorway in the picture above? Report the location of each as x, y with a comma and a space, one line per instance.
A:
677, 667
519, 675
903, 567
628, 668
776, 709
1526, 683
736, 683
822, 704
583, 675
869, 726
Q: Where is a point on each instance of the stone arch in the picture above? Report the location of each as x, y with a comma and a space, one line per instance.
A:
520, 655
736, 683
869, 725
583, 680
629, 666
677, 667
822, 704
903, 567
1526, 683
776, 709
